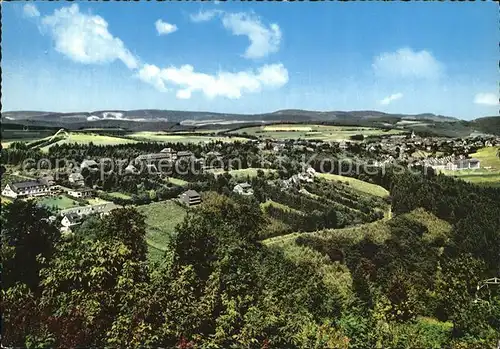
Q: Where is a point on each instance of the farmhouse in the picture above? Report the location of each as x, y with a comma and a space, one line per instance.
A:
243, 189
76, 179
464, 164
27, 189
90, 164
80, 193
70, 220
100, 208
131, 169
153, 157
190, 198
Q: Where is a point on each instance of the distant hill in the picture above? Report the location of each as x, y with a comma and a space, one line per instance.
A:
156, 119
489, 124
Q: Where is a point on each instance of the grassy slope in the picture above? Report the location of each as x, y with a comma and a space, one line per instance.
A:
96, 139
337, 276
179, 138
357, 184
309, 131
176, 181
278, 205
377, 231
483, 176
161, 220
119, 195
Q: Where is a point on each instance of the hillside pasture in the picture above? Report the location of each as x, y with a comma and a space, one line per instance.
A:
23, 135
119, 195
377, 231
161, 219
176, 181
487, 175
86, 138
306, 131
166, 137
488, 157
362, 186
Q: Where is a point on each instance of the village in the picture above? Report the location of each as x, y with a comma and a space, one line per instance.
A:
74, 197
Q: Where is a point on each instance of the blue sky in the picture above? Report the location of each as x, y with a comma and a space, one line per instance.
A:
238, 57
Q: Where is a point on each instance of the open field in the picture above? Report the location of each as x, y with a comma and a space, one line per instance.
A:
60, 202
119, 195
85, 138
480, 177
357, 184
488, 157
204, 131
147, 136
176, 181
306, 131
21, 135
161, 219
488, 175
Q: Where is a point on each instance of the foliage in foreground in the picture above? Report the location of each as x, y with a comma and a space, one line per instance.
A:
221, 288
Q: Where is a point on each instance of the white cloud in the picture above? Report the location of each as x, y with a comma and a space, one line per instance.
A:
164, 28
151, 74
486, 99
204, 16
406, 63
30, 10
264, 39
389, 99
224, 84
85, 38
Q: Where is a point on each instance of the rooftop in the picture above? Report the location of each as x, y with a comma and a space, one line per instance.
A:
27, 184
191, 193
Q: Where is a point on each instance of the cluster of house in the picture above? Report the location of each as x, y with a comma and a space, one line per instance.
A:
45, 186
306, 176
168, 156
74, 216
192, 197
451, 163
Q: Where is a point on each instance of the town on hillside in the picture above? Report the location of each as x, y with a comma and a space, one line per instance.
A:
250, 175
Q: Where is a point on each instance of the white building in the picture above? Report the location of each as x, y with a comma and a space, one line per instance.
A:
190, 198
100, 208
80, 193
243, 189
464, 164
69, 221
90, 164
28, 189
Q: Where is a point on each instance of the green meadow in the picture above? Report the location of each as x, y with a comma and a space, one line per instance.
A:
310, 131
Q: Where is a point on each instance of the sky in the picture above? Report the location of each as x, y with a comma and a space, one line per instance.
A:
248, 57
